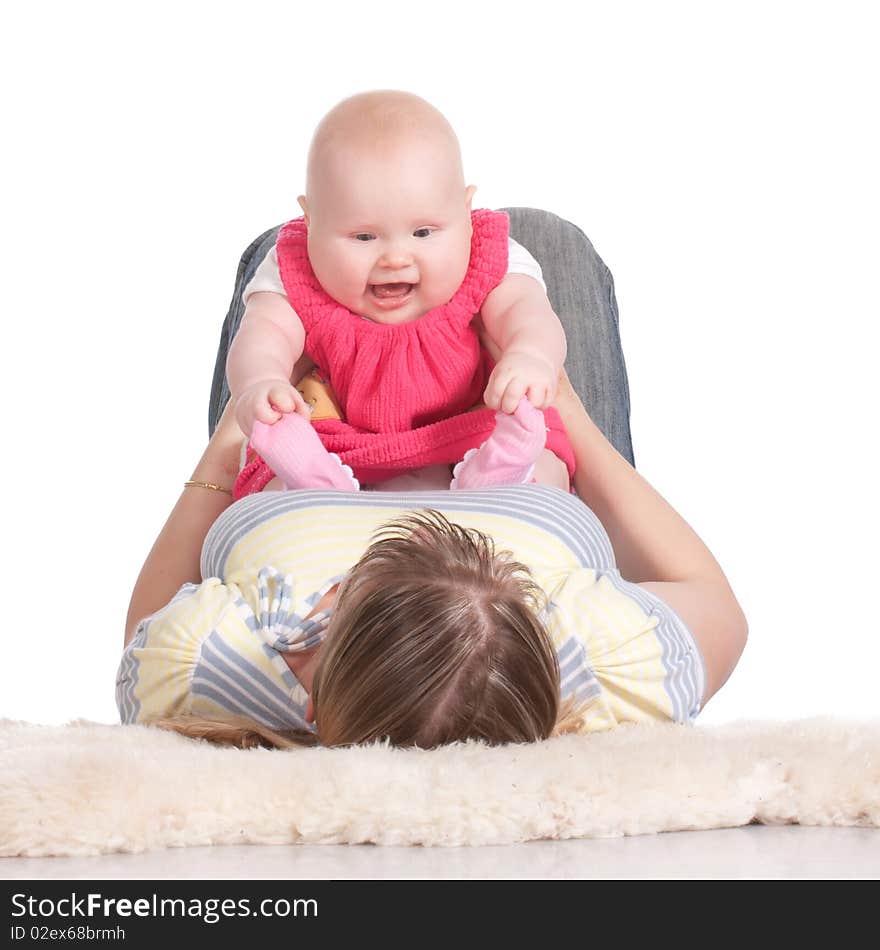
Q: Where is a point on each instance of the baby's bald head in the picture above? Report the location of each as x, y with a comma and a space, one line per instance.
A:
380, 125
386, 203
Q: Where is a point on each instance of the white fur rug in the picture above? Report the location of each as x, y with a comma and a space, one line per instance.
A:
87, 789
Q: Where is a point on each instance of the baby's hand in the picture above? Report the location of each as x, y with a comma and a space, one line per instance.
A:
521, 374
267, 401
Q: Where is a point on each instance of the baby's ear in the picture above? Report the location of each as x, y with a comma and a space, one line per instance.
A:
469, 195
304, 206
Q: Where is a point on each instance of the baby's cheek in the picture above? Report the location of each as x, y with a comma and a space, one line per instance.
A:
435, 292
336, 273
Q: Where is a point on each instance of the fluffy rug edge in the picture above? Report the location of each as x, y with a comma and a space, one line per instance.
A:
88, 788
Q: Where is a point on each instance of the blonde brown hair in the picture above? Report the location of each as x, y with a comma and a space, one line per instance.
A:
435, 637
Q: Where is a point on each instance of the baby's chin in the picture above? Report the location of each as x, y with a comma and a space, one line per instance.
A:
394, 317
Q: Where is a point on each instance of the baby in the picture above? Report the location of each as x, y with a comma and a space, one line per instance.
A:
385, 285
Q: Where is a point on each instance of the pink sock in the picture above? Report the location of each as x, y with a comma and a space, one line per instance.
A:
293, 450
508, 456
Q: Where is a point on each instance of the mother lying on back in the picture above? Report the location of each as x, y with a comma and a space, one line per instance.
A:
507, 614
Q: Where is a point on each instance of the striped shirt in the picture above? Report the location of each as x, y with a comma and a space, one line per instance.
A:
624, 655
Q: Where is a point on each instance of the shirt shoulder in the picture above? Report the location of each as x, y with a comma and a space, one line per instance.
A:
267, 277
520, 261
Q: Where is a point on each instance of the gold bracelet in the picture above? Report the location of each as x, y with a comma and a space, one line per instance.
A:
192, 484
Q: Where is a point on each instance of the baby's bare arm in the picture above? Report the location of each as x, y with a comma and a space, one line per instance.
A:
262, 357
518, 316
268, 343
519, 319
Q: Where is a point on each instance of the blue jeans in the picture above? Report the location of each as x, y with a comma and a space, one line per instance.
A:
581, 290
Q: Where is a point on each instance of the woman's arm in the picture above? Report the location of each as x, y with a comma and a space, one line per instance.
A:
653, 545
174, 558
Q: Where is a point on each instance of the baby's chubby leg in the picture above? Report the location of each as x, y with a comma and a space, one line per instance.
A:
429, 478
294, 451
551, 470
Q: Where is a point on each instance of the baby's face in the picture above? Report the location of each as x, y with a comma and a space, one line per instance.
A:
399, 219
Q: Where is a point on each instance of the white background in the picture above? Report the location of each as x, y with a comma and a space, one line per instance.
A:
722, 158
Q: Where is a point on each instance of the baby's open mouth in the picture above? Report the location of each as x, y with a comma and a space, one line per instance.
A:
391, 290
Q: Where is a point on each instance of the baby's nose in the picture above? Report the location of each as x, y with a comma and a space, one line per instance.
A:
396, 258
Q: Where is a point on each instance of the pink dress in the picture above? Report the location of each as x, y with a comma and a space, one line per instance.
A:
407, 391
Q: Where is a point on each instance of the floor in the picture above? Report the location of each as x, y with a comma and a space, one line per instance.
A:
732, 853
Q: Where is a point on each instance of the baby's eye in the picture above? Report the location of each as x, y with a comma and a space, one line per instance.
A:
363, 237
424, 232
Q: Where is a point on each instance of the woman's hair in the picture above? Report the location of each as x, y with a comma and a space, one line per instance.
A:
435, 637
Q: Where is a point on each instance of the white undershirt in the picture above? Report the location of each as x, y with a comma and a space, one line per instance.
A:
268, 277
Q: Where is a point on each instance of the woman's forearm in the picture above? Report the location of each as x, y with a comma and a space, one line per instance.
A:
175, 555
651, 541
